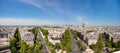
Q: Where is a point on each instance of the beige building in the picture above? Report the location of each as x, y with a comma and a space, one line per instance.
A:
91, 38
28, 38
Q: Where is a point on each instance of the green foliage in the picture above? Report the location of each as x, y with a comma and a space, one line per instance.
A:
108, 43
53, 51
101, 36
24, 47
68, 47
37, 42
114, 44
35, 31
83, 47
98, 47
57, 46
17, 35
100, 44
66, 41
119, 44
37, 49
13, 42
22, 43
30, 49
13, 50
45, 32
94, 46
74, 33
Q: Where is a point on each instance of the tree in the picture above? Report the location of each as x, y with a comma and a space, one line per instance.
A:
45, 32
17, 35
37, 49
24, 47
108, 44
66, 39
119, 44
35, 31
93, 46
57, 46
13, 50
74, 33
83, 47
13, 42
37, 42
68, 46
114, 44
30, 49
98, 47
100, 44
22, 43
53, 51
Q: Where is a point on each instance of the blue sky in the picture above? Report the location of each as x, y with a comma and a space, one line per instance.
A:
49, 12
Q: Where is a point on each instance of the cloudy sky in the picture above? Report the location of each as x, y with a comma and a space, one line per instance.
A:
48, 12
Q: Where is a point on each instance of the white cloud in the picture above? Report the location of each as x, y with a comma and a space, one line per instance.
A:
44, 4
80, 18
34, 3
25, 21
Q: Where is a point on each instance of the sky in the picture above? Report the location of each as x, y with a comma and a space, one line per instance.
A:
52, 12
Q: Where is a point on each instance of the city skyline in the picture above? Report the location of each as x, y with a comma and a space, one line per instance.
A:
49, 12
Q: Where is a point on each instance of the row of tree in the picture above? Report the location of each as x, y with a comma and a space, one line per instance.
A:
66, 42
81, 45
20, 45
14, 42
113, 46
74, 33
45, 32
37, 44
98, 47
51, 47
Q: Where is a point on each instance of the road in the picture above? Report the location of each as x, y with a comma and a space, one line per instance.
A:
44, 48
75, 47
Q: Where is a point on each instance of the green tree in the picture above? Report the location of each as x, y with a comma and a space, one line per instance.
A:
57, 46
74, 33
114, 44
45, 32
68, 46
108, 43
30, 49
35, 31
13, 42
119, 44
37, 42
98, 47
17, 35
66, 39
100, 44
93, 46
83, 47
24, 47
37, 49
13, 50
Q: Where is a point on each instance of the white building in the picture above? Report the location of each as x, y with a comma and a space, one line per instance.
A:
28, 38
92, 39
55, 35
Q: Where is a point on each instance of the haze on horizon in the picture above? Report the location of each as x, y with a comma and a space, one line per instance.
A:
49, 12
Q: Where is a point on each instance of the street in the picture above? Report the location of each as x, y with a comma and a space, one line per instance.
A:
44, 48
75, 47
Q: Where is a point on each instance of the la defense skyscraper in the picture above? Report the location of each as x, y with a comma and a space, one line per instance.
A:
83, 25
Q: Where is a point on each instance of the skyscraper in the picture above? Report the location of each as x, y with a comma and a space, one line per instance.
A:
83, 25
